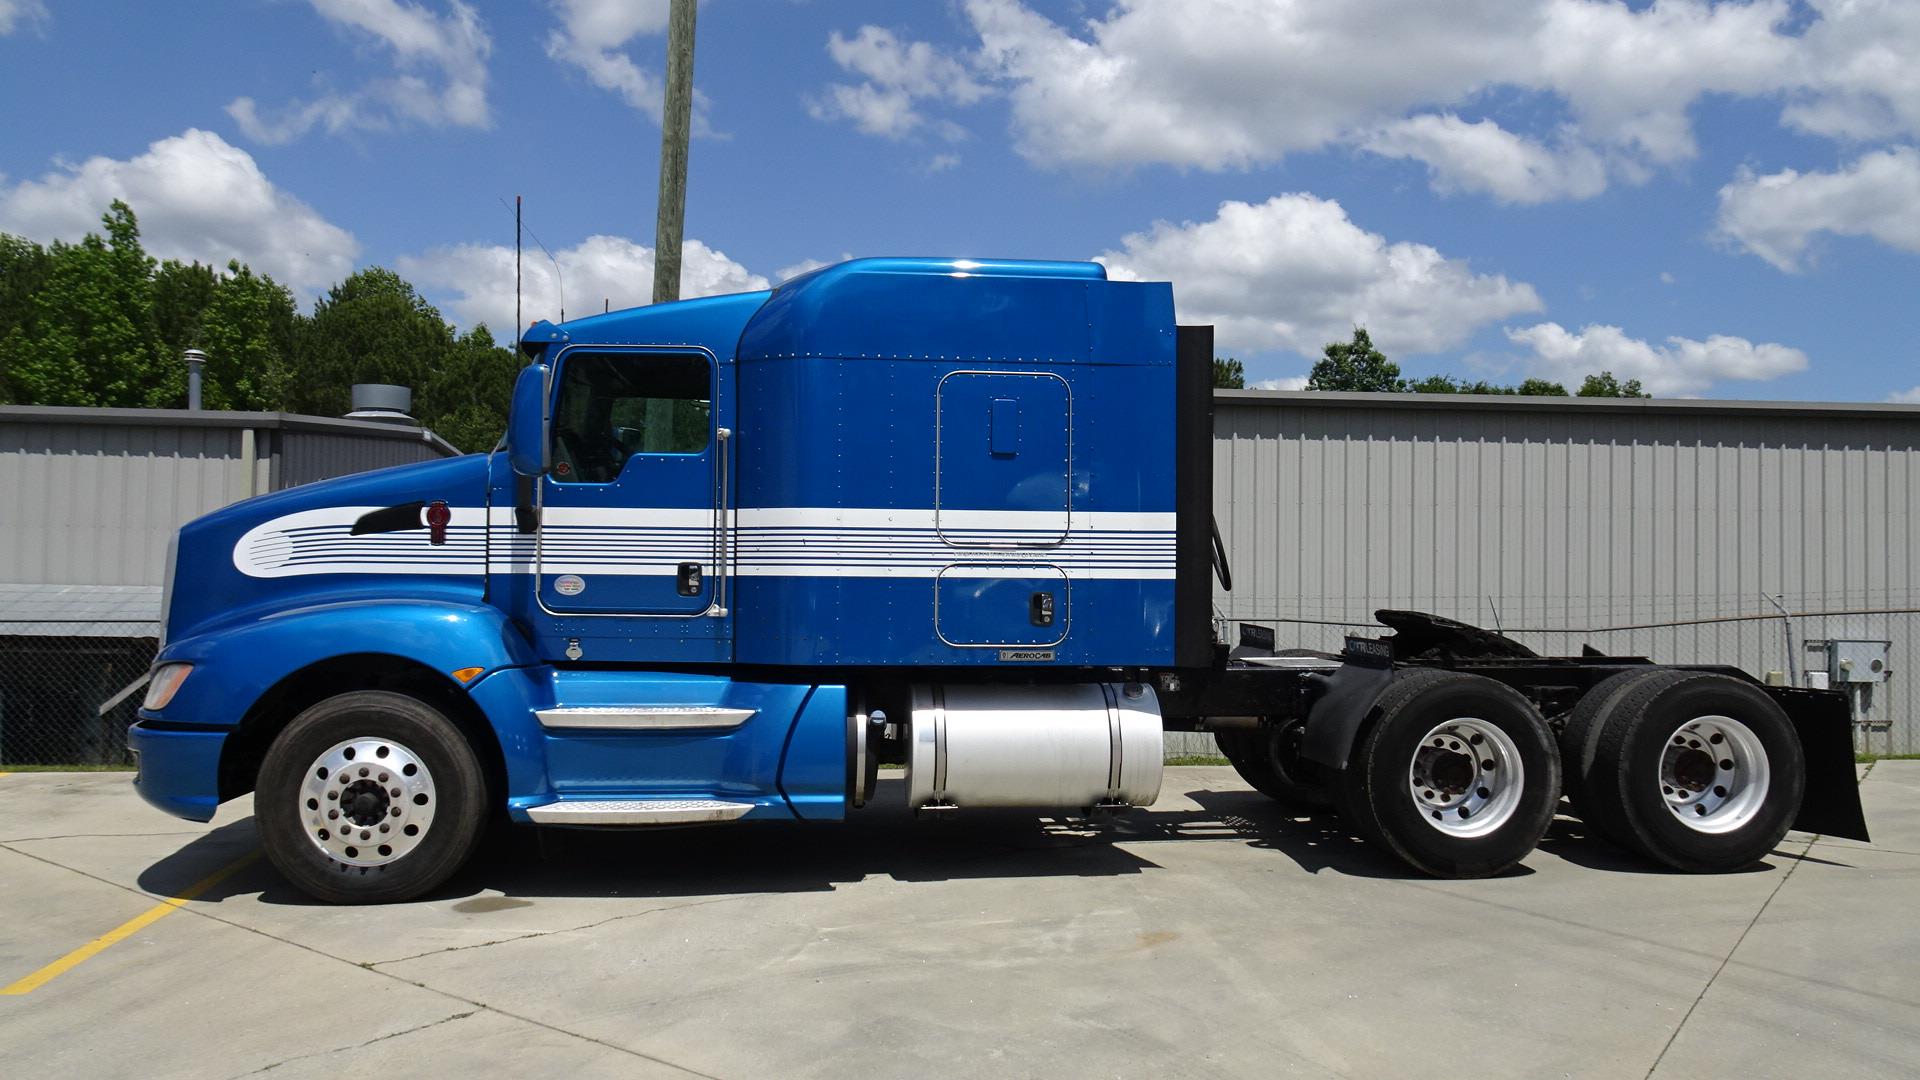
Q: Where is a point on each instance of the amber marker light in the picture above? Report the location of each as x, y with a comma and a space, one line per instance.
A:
468, 674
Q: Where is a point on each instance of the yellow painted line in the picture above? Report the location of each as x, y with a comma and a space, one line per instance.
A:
125, 930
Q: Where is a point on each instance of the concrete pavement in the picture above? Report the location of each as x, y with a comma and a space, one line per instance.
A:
1213, 935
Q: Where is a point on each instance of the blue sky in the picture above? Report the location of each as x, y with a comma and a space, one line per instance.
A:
1720, 199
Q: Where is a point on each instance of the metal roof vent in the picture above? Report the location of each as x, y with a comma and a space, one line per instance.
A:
379, 401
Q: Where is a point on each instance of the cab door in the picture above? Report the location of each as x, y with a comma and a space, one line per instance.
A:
632, 539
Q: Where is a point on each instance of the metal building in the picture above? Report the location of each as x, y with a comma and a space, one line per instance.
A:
88, 501
1646, 527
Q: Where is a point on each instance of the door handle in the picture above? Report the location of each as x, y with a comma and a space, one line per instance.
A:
1040, 609
687, 582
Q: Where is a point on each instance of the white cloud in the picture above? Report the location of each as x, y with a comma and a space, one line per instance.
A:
1776, 216
1905, 397
807, 266
942, 162
593, 36
1295, 273
17, 13
896, 75
1219, 84
1285, 382
197, 197
1861, 81
599, 272
1681, 367
452, 49
1484, 157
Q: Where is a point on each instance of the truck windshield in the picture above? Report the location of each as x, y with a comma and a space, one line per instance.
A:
613, 406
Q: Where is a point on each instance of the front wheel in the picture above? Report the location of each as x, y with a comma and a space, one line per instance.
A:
1458, 775
369, 797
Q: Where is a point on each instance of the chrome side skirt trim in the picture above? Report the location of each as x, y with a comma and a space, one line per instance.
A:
646, 718
637, 811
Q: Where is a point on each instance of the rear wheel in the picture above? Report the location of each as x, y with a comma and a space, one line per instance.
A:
1702, 772
1458, 774
1269, 760
1580, 742
369, 797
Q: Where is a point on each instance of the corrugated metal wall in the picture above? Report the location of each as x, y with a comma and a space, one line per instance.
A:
302, 457
87, 500
92, 504
1564, 522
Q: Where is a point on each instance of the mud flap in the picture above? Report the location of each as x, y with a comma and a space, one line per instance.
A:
1831, 805
1344, 699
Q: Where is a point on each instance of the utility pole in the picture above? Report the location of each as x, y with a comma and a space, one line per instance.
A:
519, 328
676, 125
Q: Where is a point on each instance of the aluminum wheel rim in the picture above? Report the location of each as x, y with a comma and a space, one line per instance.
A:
1714, 774
1466, 777
368, 801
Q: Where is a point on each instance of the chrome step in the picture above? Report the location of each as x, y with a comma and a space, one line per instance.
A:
641, 718
637, 811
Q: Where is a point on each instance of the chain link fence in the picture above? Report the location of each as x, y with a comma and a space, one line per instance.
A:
61, 691
65, 697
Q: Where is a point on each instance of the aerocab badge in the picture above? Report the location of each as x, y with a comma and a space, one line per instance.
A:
1025, 655
569, 585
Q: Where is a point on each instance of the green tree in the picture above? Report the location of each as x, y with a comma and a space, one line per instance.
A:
1229, 374
1605, 385
1447, 384
1355, 365
1541, 388
371, 328
465, 400
246, 328
181, 293
90, 336
24, 267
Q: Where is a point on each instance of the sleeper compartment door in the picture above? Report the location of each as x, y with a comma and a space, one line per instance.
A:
629, 522
1002, 508
978, 604
1004, 461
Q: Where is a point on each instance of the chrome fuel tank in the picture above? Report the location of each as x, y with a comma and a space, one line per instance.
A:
1070, 746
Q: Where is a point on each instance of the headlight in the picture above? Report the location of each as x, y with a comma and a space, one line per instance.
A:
166, 683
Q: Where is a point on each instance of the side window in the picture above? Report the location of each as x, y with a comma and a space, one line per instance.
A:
613, 406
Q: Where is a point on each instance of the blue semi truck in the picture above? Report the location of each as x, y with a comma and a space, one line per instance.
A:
734, 553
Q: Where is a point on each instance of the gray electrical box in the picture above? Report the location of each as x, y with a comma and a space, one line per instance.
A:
1857, 661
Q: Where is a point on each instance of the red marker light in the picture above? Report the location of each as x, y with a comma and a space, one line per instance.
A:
437, 517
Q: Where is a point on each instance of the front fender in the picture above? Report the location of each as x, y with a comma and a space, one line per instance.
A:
234, 665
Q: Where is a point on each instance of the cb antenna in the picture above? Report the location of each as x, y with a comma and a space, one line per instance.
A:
518, 228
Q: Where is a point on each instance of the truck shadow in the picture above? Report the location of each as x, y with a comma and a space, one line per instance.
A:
884, 839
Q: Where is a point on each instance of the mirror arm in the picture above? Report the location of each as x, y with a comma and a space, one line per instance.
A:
526, 516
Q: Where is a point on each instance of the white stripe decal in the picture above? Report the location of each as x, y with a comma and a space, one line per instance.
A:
767, 542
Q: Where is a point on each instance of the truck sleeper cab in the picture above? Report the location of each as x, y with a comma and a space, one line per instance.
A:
737, 551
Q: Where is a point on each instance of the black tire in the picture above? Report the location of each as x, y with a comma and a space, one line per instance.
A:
1627, 778
1268, 759
1374, 793
459, 798
1580, 742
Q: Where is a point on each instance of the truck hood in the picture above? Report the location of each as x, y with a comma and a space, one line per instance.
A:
299, 547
